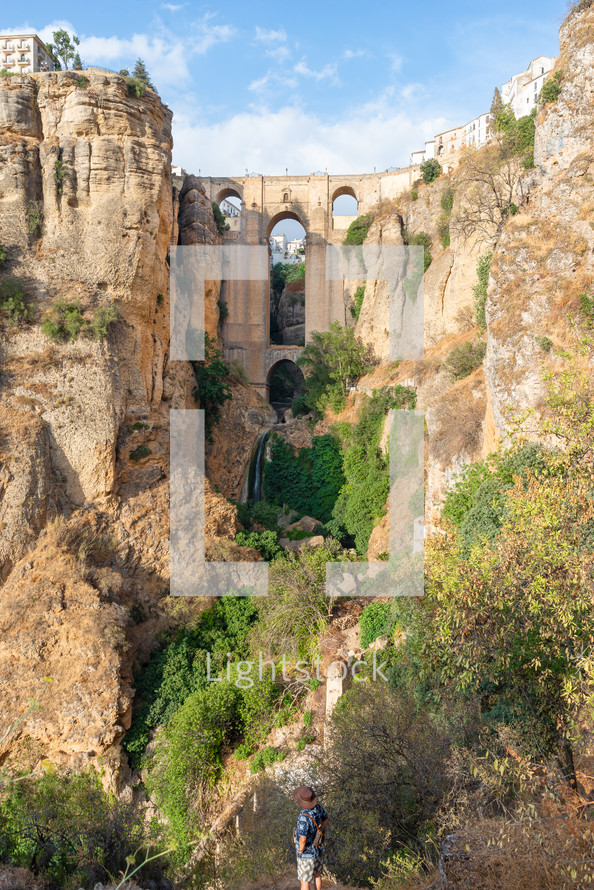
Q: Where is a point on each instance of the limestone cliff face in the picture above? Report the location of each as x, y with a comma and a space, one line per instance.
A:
545, 257
85, 216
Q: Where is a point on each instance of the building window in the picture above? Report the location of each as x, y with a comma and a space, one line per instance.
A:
286, 198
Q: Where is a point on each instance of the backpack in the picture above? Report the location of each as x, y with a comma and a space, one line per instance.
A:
318, 841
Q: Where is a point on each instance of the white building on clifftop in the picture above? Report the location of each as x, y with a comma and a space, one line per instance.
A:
522, 91
24, 54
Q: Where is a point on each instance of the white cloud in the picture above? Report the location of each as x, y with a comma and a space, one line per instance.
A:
355, 53
328, 72
166, 54
396, 62
266, 141
269, 35
173, 7
275, 43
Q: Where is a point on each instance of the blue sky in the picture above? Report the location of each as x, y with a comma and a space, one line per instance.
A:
309, 86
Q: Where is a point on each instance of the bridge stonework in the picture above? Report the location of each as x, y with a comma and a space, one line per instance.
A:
266, 200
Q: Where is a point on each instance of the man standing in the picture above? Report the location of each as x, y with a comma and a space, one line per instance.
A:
309, 837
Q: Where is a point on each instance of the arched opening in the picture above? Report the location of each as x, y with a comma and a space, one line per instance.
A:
286, 245
230, 204
285, 384
344, 202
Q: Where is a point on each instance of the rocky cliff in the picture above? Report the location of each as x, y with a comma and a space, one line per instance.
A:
86, 218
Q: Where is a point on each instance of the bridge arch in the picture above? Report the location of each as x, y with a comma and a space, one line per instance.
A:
280, 216
284, 381
229, 193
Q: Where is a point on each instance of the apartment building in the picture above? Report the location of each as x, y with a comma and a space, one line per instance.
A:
24, 54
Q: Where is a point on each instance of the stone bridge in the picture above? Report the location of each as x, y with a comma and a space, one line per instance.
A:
265, 201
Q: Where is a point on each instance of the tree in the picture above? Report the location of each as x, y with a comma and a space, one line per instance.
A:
331, 362
77, 62
430, 170
510, 618
496, 104
63, 48
212, 390
140, 72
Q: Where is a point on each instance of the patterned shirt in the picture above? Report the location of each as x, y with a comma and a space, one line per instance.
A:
307, 829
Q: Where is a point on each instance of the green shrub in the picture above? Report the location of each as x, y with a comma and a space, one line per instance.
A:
361, 502
357, 303
265, 543
416, 271
376, 621
266, 758
34, 218
103, 318
414, 195
135, 87
331, 362
178, 668
480, 289
2, 257
139, 425
551, 89
68, 830
462, 360
545, 343
64, 320
223, 310
211, 390
447, 201
443, 229
140, 452
260, 513
4, 72
14, 303
307, 718
295, 272
476, 503
430, 170
220, 221
81, 81
60, 175
357, 231
308, 482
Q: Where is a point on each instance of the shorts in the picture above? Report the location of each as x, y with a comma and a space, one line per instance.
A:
307, 868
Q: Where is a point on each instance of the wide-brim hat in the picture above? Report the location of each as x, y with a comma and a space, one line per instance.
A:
305, 797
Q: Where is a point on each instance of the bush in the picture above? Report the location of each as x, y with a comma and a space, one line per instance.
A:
266, 758
34, 218
140, 452
389, 756
414, 195
331, 362
586, 303
376, 621
135, 87
179, 667
308, 482
60, 175
355, 307
259, 513
447, 201
211, 390
551, 89
103, 318
266, 543
430, 170
462, 360
480, 289
545, 343
223, 310
296, 611
220, 221
68, 830
2, 257
357, 231
361, 502
64, 320
14, 303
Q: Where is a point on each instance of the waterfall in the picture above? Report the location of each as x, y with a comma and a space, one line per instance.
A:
255, 493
